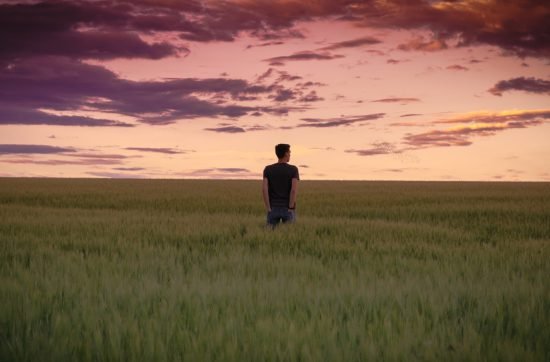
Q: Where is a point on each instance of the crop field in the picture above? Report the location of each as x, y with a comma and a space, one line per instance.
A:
171, 270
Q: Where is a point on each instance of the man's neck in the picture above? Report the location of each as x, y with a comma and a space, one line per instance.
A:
282, 161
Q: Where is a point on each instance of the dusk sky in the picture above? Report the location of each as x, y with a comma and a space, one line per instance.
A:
362, 90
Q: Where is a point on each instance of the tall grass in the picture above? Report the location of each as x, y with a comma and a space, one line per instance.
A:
185, 270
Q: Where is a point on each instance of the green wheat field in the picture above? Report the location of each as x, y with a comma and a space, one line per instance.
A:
185, 270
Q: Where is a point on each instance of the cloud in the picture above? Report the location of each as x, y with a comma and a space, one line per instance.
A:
99, 156
464, 129
311, 97
7, 149
444, 138
367, 40
32, 154
513, 117
301, 56
170, 151
10, 114
397, 100
418, 44
530, 85
457, 67
236, 129
221, 173
410, 115
59, 162
473, 125
129, 168
271, 43
397, 61
379, 148
105, 174
82, 30
91, 28
341, 121
56, 84
226, 129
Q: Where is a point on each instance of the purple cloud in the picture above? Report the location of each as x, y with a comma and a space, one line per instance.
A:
471, 23
7, 149
61, 84
379, 148
396, 100
305, 55
17, 115
367, 40
226, 129
311, 97
83, 30
170, 151
222, 173
342, 121
530, 85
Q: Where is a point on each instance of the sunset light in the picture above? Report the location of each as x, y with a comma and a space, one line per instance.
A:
362, 90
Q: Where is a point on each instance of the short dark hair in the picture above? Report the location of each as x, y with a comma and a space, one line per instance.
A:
281, 149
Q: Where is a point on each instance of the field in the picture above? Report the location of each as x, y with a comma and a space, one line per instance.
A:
113, 270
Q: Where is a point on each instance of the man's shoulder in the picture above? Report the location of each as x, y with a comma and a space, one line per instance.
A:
280, 166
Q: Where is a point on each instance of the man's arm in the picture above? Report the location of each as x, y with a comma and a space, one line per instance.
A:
265, 192
293, 192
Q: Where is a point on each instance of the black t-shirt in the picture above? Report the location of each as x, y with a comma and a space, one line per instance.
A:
279, 176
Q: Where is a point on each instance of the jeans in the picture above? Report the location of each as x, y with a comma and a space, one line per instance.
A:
280, 214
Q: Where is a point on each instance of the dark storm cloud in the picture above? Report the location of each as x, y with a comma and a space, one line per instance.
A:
62, 84
336, 122
530, 85
6, 149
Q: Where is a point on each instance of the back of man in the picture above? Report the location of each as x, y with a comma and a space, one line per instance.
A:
280, 188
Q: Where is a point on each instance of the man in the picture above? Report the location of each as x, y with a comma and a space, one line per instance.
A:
279, 188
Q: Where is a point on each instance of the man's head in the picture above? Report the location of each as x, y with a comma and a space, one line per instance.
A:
282, 151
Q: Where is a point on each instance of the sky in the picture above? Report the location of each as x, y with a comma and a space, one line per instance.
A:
361, 90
